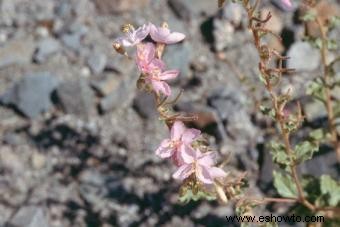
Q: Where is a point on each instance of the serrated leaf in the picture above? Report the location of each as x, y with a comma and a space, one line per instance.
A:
284, 185
279, 154
331, 188
188, 196
267, 111
316, 89
305, 150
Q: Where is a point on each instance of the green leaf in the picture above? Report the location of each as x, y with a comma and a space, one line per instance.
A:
267, 111
262, 78
309, 16
188, 195
332, 44
284, 185
317, 43
316, 89
330, 188
334, 22
278, 152
305, 150
317, 135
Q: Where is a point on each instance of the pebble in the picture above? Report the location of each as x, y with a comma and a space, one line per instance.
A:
76, 97
29, 216
46, 48
32, 94
120, 97
144, 104
181, 9
106, 85
303, 57
119, 6
72, 41
38, 160
97, 62
17, 52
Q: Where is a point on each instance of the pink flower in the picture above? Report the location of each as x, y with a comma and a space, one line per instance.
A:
180, 137
146, 61
201, 164
157, 81
133, 37
287, 3
163, 35
153, 69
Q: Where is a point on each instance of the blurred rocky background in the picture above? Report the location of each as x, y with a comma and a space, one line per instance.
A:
77, 139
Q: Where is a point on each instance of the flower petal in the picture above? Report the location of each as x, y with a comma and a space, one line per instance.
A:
124, 41
216, 172
183, 172
207, 159
156, 64
141, 33
187, 154
174, 37
168, 75
203, 174
161, 86
190, 135
177, 130
287, 3
146, 52
164, 150
159, 34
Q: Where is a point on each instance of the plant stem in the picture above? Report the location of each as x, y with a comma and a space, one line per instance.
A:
329, 107
279, 118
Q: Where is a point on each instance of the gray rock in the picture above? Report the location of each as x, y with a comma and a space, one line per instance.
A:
72, 41
16, 52
46, 48
29, 216
13, 138
106, 85
315, 110
76, 97
92, 177
223, 34
119, 98
181, 9
230, 104
324, 161
303, 57
97, 62
32, 94
144, 104
227, 101
179, 57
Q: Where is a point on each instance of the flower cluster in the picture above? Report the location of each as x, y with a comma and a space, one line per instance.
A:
152, 68
189, 160
182, 146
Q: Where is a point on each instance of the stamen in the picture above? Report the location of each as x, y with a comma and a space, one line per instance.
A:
126, 28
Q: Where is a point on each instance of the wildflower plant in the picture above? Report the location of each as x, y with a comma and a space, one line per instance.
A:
195, 163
